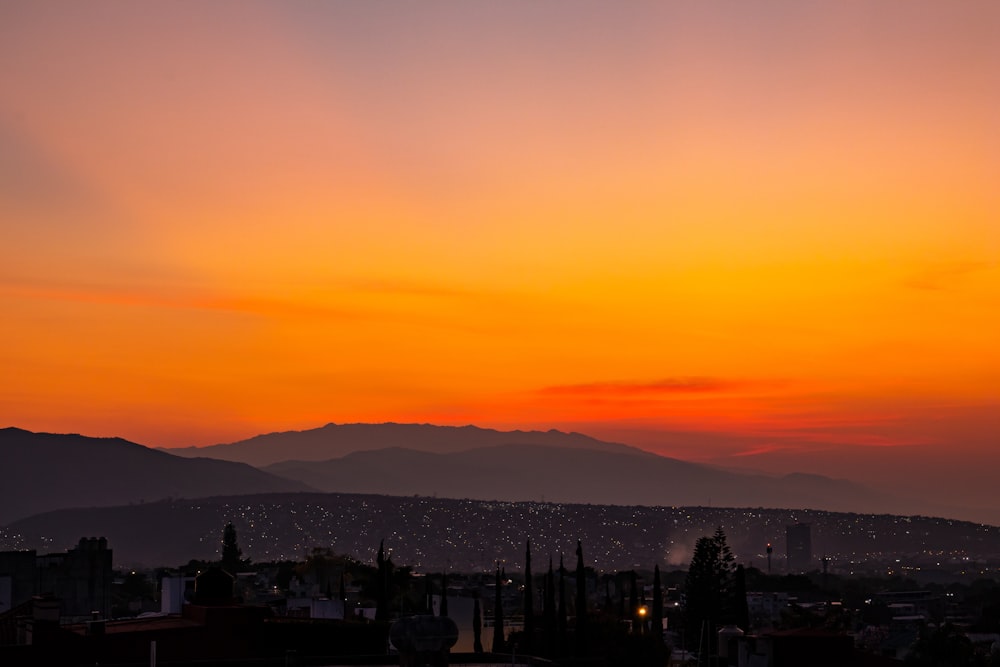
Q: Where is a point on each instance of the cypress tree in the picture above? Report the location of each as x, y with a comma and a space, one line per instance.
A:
232, 556
633, 598
381, 592
477, 627
444, 595
657, 617
549, 611
498, 617
581, 602
561, 616
740, 607
529, 602
642, 608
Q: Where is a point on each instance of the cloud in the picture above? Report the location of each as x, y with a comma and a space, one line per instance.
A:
668, 386
945, 275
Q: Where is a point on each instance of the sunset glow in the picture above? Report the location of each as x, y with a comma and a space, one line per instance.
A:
775, 224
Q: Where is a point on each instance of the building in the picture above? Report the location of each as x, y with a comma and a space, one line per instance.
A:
798, 545
80, 578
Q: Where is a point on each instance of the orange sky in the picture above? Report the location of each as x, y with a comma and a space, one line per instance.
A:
776, 222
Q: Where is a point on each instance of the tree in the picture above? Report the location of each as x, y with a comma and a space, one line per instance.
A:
232, 556
498, 617
633, 597
477, 627
945, 646
444, 595
708, 588
741, 610
561, 614
581, 602
657, 617
529, 602
381, 585
549, 611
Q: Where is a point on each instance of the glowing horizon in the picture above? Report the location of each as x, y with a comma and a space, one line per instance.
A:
777, 223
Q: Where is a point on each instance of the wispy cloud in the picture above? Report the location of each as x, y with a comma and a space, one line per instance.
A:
668, 386
945, 275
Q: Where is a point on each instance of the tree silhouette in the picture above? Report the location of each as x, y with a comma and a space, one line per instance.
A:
444, 595
581, 602
657, 617
477, 626
741, 610
232, 556
498, 643
708, 588
381, 585
549, 610
561, 614
633, 598
529, 602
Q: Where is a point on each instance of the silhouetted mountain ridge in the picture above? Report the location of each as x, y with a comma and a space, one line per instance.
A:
338, 440
533, 472
47, 471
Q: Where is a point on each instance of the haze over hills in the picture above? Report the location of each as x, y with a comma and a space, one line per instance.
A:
532, 474
64, 471
46, 471
338, 440
538, 472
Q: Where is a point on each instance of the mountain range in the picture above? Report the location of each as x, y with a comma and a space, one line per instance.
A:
47, 471
541, 472
337, 440
52, 471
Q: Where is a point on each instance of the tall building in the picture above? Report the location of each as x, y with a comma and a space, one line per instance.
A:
798, 544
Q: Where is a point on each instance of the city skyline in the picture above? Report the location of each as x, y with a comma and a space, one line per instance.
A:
758, 236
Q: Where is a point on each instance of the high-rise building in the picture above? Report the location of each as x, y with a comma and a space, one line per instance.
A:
798, 544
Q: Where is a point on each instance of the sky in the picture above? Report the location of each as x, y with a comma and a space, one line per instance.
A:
759, 234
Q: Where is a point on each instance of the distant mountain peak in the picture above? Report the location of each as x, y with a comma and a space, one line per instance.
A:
337, 440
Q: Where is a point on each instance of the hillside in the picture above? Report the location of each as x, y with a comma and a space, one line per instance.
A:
338, 440
45, 471
534, 472
471, 535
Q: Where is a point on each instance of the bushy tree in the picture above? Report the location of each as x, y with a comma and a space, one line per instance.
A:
709, 586
232, 556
